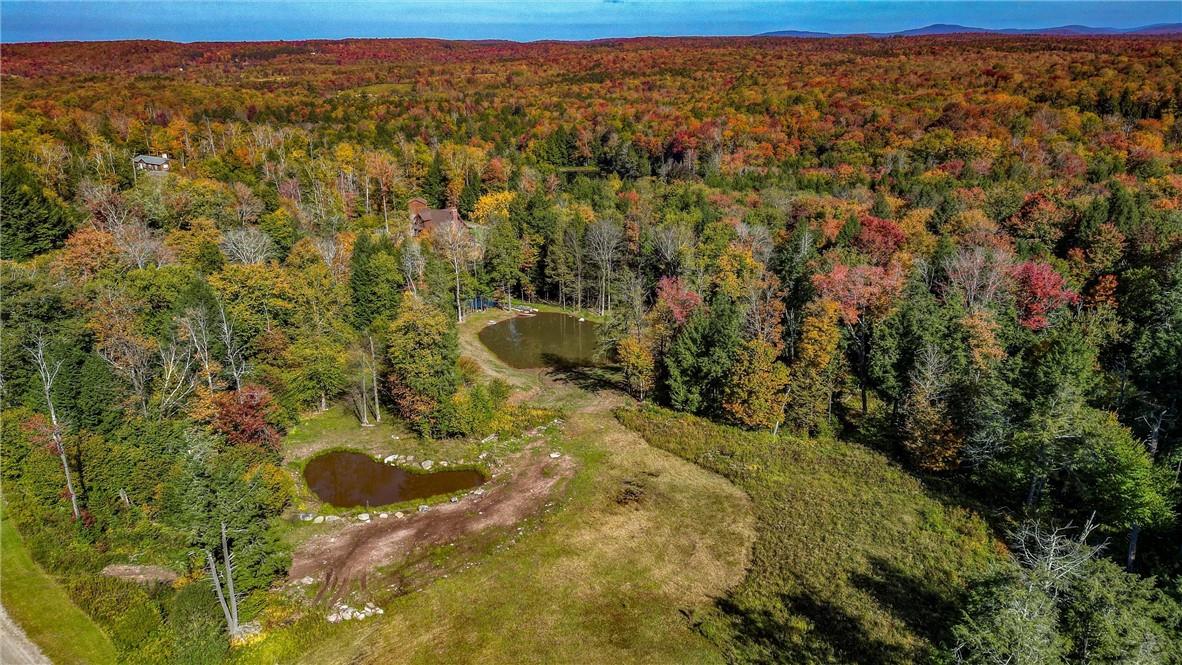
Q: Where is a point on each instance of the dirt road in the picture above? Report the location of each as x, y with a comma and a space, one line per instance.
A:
15, 647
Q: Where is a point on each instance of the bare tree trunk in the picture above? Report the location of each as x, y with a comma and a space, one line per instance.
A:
217, 587
373, 368
364, 395
229, 579
459, 308
48, 376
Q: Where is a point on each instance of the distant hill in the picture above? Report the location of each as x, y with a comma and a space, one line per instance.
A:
953, 29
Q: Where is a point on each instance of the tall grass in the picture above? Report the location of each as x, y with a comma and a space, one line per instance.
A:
853, 561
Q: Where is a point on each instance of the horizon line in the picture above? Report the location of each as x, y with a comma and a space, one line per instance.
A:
1175, 30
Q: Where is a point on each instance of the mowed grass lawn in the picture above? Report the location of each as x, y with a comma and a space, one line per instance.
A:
41, 607
853, 561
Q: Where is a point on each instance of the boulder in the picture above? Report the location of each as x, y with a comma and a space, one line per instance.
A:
140, 574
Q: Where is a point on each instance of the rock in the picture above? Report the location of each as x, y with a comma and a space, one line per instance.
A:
400, 514
318, 520
455, 499
364, 517
443, 463
334, 618
383, 515
427, 464
141, 574
555, 455
581, 319
489, 439
307, 517
410, 458
478, 491
332, 518
424, 508
306, 581
390, 459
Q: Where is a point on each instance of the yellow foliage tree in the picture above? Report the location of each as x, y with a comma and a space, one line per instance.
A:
814, 372
755, 394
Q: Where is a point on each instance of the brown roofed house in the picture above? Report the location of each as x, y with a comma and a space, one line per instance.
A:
423, 218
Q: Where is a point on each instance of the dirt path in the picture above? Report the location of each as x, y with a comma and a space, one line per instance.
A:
346, 555
15, 647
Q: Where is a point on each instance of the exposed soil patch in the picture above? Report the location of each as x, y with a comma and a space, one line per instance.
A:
346, 555
632, 492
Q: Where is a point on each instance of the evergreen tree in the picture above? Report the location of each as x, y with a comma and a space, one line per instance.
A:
699, 360
375, 280
469, 195
34, 219
422, 352
435, 184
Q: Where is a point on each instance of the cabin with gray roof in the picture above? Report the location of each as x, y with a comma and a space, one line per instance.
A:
150, 162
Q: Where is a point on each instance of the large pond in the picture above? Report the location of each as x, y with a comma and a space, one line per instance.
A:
346, 480
546, 339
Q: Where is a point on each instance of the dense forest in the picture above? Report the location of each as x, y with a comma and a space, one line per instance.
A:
962, 252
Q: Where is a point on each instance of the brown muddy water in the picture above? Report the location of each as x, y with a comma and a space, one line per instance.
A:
546, 339
347, 480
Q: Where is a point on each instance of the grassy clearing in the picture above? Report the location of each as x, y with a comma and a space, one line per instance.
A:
853, 562
637, 541
602, 577
41, 607
339, 428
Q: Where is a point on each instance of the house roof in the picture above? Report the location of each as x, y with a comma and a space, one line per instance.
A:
151, 159
438, 215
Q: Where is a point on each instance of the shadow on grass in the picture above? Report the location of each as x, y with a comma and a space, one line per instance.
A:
586, 377
828, 634
923, 606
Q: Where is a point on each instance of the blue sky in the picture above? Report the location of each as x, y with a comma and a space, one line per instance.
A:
525, 20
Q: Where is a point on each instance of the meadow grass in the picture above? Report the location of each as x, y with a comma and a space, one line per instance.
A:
40, 606
853, 562
634, 543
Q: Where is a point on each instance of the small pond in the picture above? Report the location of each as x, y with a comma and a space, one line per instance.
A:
546, 339
346, 480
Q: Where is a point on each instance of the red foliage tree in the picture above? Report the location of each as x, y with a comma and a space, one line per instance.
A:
879, 238
1039, 290
678, 300
244, 417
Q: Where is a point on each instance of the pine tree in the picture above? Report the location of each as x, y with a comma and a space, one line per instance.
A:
469, 195
375, 281
435, 184
34, 221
